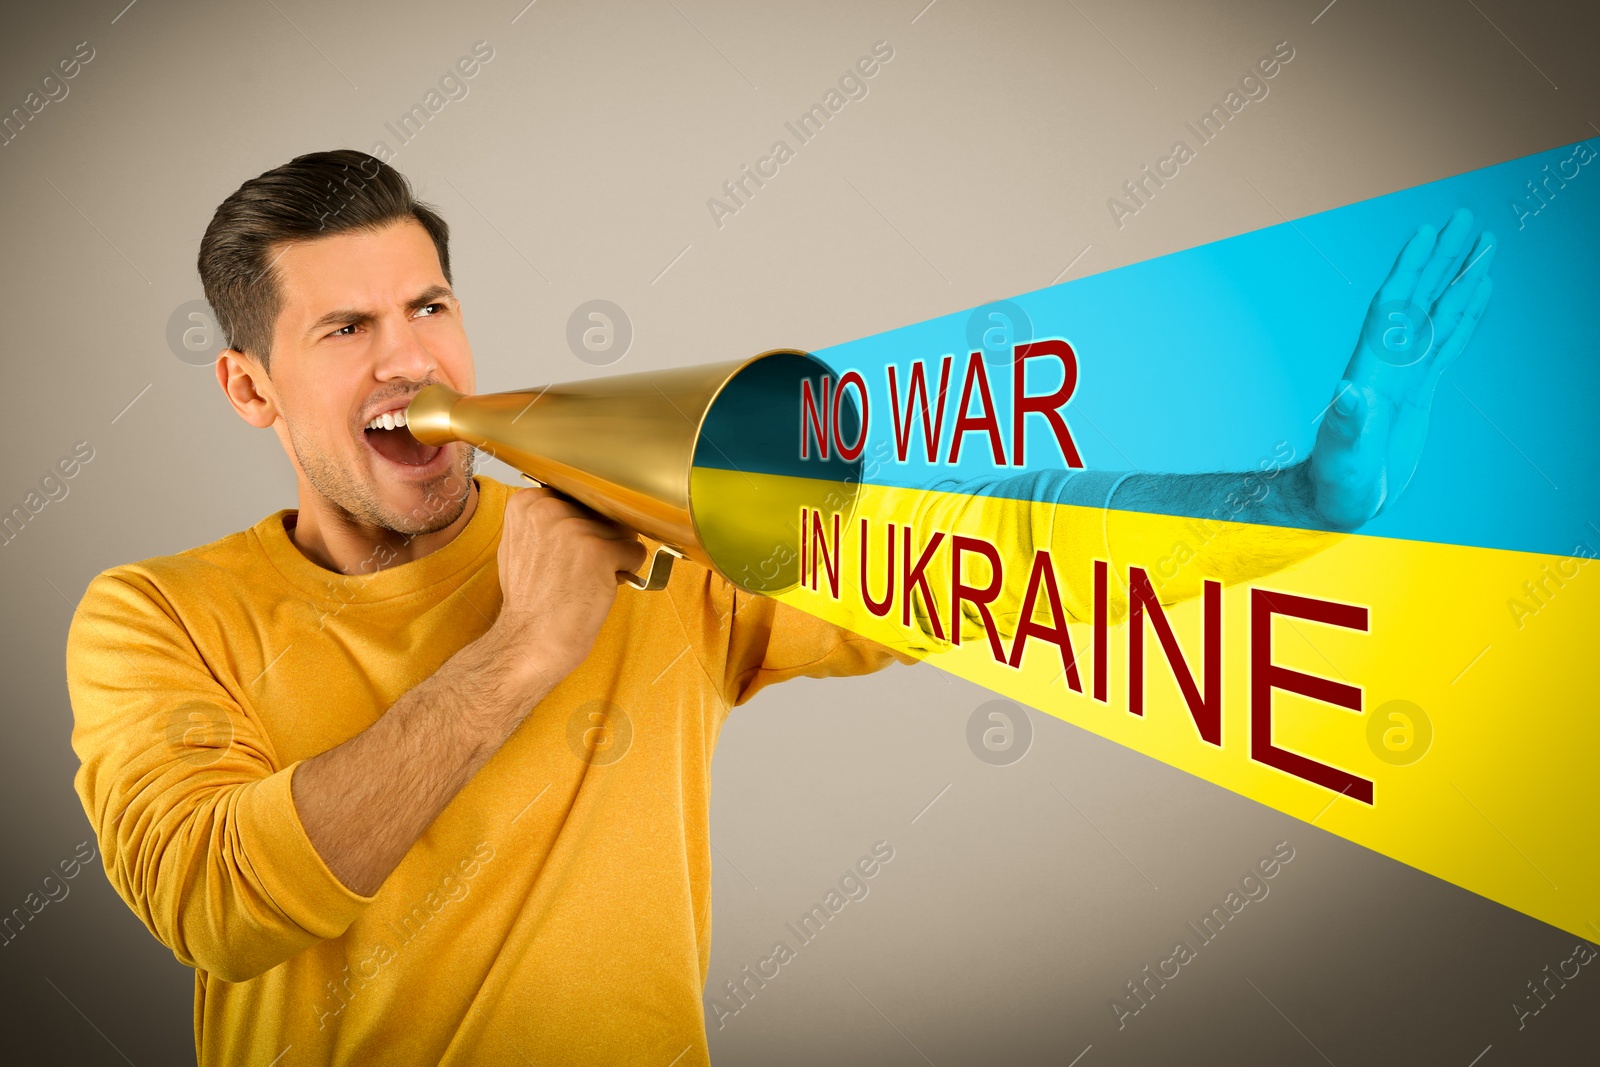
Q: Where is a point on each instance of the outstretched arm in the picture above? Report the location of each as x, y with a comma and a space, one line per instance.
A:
1252, 523
1372, 432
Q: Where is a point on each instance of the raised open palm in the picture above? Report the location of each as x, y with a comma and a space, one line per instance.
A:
1421, 318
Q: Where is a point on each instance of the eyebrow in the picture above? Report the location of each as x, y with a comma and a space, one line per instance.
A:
346, 316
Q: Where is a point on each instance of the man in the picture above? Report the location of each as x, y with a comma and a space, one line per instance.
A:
401, 772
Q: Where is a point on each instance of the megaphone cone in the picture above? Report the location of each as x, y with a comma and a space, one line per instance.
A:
706, 460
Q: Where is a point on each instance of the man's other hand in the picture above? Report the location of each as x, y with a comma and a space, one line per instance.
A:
1373, 431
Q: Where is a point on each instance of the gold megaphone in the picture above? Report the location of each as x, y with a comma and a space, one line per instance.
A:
706, 460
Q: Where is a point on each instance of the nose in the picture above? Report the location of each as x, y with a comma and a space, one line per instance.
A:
401, 354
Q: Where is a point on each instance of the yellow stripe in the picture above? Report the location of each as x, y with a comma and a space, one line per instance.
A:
1500, 801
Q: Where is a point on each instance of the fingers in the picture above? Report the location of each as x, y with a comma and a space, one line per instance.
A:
605, 528
628, 555
618, 547
1477, 266
1462, 333
1451, 329
561, 506
1402, 279
1459, 290
1445, 259
593, 523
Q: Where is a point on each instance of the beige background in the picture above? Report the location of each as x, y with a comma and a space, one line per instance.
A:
578, 168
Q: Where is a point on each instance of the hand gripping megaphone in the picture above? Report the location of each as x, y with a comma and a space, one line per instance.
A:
710, 461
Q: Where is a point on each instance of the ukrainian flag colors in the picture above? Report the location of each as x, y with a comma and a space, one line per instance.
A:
1425, 687
1475, 718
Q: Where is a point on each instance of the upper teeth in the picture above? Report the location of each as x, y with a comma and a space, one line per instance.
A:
388, 421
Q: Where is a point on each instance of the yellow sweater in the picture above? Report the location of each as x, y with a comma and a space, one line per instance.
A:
558, 910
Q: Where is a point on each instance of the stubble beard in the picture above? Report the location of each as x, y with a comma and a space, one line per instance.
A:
444, 497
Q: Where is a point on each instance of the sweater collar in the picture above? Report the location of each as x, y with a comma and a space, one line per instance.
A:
481, 533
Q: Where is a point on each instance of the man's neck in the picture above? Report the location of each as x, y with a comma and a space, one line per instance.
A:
334, 542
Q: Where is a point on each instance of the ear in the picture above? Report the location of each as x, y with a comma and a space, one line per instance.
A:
247, 387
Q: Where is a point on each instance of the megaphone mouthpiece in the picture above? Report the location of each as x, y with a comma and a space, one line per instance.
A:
428, 415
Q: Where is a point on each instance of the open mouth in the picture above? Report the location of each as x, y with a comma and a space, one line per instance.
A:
392, 440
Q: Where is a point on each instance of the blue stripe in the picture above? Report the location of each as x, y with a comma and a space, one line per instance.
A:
1209, 358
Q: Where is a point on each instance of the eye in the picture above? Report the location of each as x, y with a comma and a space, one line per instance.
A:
340, 332
425, 307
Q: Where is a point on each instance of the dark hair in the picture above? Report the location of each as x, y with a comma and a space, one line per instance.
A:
314, 195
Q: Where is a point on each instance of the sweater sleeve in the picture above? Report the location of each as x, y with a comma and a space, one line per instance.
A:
197, 827
1062, 511
771, 641
1019, 514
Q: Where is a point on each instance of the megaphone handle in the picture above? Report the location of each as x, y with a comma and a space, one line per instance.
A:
660, 571
660, 563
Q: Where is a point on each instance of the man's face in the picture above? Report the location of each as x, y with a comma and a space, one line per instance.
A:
367, 320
